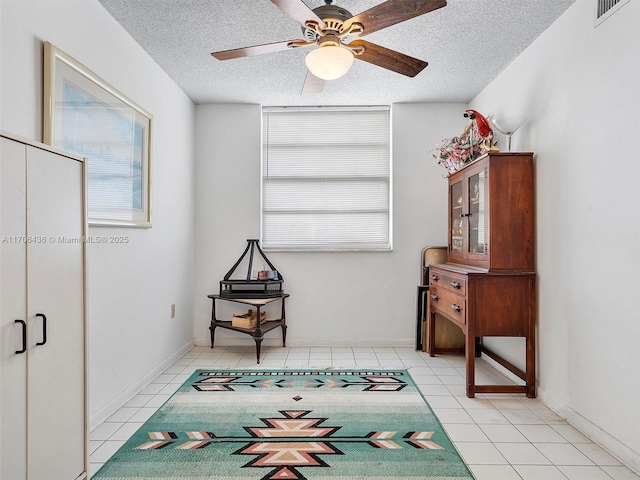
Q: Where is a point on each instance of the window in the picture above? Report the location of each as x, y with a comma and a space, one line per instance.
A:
326, 178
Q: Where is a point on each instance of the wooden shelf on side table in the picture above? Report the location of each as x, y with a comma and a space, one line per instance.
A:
257, 332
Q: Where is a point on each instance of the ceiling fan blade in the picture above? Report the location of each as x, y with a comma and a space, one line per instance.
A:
389, 59
392, 12
255, 50
297, 10
312, 84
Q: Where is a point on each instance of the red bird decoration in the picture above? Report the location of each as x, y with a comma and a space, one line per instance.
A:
481, 122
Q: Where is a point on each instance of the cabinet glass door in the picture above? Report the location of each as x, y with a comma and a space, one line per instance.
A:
455, 222
477, 239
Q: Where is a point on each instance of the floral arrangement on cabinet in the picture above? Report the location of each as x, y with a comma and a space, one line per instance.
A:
476, 140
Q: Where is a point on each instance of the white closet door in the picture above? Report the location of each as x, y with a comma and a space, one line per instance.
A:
13, 373
55, 286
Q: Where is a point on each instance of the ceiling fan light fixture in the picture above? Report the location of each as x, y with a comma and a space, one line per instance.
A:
329, 62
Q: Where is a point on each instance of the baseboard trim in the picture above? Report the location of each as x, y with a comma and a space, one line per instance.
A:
612, 445
118, 401
619, 450
276, 341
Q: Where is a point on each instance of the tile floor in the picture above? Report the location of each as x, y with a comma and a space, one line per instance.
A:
501, 437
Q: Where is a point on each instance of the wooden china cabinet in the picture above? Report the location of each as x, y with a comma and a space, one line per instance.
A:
487, 286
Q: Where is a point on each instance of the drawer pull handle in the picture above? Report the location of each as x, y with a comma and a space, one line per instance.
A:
455, 307
435, 297
434, 278
462, 215
455, 284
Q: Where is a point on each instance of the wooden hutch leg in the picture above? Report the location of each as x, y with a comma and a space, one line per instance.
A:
470, 357
531, 342
432, 333
531, 367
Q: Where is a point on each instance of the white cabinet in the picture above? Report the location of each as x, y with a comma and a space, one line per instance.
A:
43, 399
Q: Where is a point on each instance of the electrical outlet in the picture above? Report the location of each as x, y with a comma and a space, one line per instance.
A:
173, 310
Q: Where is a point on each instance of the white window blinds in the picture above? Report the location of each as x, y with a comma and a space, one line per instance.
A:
326, 178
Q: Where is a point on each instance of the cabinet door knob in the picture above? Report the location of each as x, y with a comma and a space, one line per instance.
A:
435, 297
44, 328
24, 336
455, 307
455, 284
434, 278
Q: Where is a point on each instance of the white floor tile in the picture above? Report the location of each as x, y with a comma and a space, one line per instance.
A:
541, 434
175, 369
106, 450
457, 389
452, 379
620, 473
487, 417
584, 473
452, 415
164, 378
539, 472
342, 356
571, 434
434, 389
494, 472
597, 454
138, 401
126, 431
421, 379
503, 434
445, 371
158, 400
170, 388
522, 417
522, 454
103, 431
152, 389
143, 414
563, 454
465, 432
122, 415
480, 453
473, 403
94, 444
94, 467
442, 401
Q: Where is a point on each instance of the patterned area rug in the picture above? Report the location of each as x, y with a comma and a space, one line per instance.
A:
290, 425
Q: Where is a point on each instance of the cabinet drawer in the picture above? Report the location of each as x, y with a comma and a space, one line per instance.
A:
448, 281
448, 303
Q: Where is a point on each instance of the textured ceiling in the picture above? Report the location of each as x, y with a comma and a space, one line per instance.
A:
467, 44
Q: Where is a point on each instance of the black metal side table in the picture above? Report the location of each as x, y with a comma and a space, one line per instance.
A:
257, 332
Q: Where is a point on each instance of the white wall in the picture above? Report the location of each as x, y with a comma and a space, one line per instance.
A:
336, 298
130, 287
579, 85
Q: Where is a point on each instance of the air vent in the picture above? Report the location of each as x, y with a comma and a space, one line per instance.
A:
606, 8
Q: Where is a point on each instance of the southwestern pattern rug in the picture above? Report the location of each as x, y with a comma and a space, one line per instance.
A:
290, 425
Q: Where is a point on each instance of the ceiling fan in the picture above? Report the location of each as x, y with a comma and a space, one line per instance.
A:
336, 33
